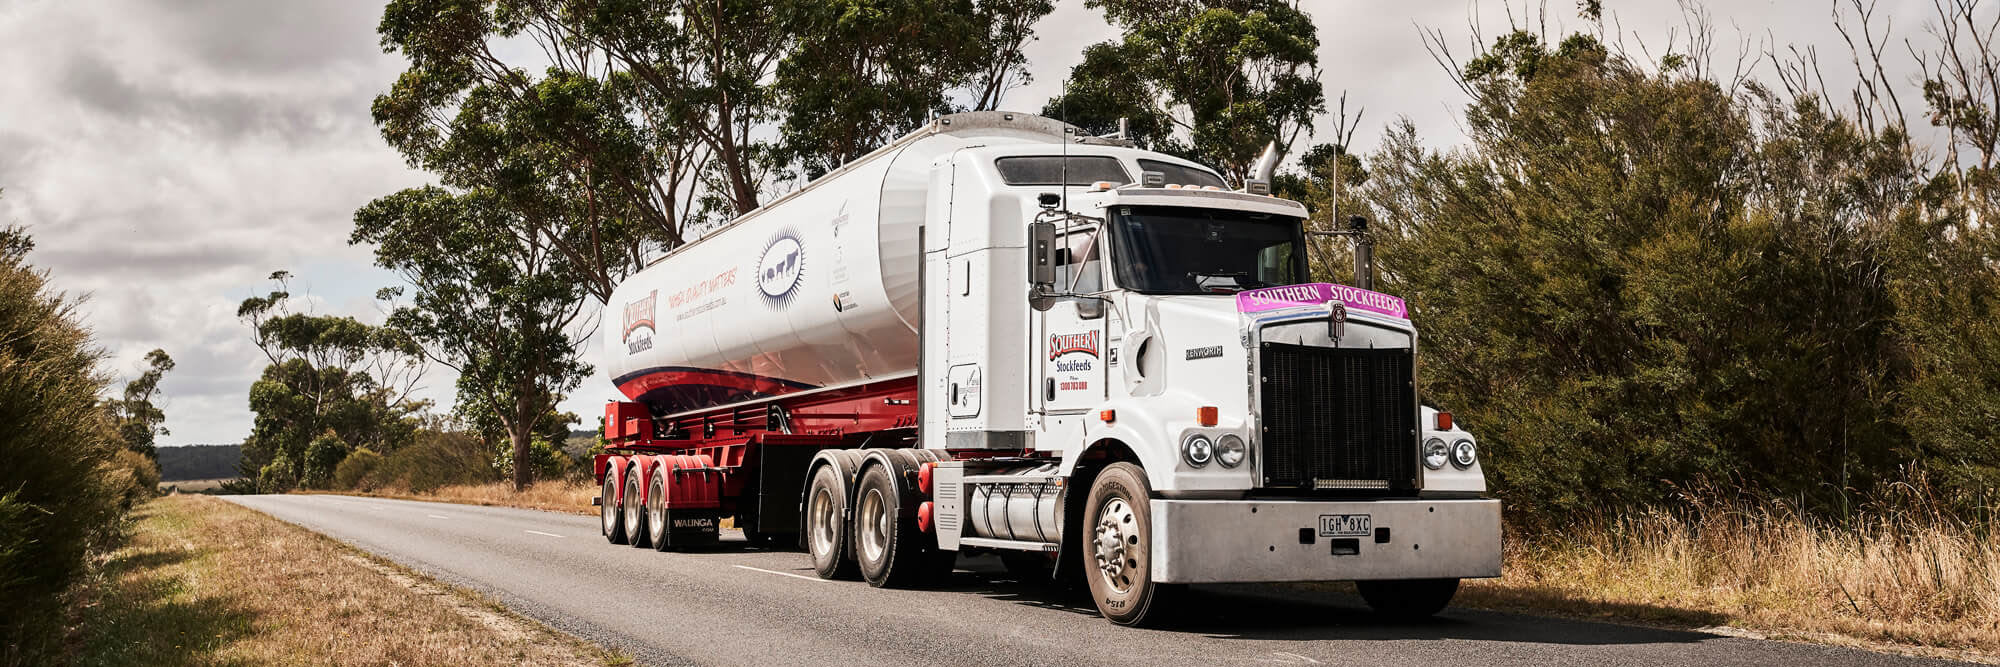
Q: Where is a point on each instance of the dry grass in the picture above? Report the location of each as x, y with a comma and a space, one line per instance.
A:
195, 485
555, 495
1914, 578
206, 582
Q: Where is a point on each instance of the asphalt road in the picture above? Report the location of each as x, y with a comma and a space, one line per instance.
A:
737, 605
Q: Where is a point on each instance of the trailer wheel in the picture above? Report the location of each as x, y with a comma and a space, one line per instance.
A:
656, 509
827, 536
635, 508
611, 509
1408, 599
1117, 549
888, 547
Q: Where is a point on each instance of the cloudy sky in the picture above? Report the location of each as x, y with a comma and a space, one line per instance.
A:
169, 154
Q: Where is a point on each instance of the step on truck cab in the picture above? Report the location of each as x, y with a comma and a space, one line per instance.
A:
1000, 335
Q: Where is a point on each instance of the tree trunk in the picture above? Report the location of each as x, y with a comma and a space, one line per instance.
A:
520, 430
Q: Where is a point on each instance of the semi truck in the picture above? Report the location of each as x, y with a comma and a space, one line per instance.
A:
1001, 335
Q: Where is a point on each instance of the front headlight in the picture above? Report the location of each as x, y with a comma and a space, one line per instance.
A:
1464, 454
1198, 450
1435, 453
1230, 451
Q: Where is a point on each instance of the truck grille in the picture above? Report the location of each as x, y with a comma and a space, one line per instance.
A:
1338, 418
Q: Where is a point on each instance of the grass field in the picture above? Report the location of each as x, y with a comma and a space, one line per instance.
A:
206, 582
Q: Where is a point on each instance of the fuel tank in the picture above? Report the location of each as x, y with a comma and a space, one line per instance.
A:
816, 289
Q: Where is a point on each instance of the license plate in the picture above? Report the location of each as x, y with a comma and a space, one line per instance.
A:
1344, 525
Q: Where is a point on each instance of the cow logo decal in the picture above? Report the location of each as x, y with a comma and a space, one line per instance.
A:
781, 269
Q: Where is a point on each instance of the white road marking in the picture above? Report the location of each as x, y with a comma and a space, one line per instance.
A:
781, 574
1294, 658
537, 532
438, 516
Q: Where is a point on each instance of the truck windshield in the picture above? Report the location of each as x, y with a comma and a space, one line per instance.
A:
1171, 250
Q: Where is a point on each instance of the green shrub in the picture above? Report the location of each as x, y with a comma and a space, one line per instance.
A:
354, 471
63, 494
436, 458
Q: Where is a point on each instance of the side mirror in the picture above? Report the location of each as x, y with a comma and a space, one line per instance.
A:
1041, 265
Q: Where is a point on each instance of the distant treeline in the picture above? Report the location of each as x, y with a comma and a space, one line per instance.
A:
199, 462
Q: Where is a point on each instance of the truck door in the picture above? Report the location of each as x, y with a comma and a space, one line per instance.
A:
1072, 341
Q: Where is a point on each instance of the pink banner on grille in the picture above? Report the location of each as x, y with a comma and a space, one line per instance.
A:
1315, 294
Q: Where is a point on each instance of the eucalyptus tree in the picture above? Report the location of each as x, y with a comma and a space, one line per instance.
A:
1214, 80
491, 300
333, 383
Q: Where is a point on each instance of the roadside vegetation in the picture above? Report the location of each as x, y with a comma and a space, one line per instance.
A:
202, 581
69, 473
1904, 573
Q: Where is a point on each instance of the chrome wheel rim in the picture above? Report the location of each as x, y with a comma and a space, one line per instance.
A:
634, 511
874, 522
607, 504
825, 523
656, 507
1116, 543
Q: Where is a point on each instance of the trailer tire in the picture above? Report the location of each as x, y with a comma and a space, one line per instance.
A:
635, 508
1407, 599
888, 547
656, 509
827, 535
1116, 549
611, 508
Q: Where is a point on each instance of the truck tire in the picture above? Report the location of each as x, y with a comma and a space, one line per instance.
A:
656, 508
887, 546
611, 509
635, 507
1408, 599
1117, 549
827, 534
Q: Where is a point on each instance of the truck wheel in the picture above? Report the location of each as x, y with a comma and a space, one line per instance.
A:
1408, 599
635, 510
888, 547
1117, 548
826, 526
611, 510
656, 509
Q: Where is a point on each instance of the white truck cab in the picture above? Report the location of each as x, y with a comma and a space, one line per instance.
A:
1168, 396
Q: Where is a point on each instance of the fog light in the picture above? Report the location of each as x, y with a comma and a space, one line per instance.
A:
1435, 453
1230, 451
1198, 450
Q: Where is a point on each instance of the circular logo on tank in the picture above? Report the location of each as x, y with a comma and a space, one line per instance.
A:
781, 269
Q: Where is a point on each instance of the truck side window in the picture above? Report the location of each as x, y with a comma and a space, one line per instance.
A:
1079, 268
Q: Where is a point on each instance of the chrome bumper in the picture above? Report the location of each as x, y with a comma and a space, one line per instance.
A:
1244, 541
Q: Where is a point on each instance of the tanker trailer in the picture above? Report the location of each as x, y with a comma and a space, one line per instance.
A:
999, 335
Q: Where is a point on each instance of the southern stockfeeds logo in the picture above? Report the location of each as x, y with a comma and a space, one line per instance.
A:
639, 327
781, 269
1061, 344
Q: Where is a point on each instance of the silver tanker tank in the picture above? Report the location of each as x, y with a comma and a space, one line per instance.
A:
815, 290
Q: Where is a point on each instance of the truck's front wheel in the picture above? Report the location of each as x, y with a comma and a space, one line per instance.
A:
1117, 548
1408, 599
